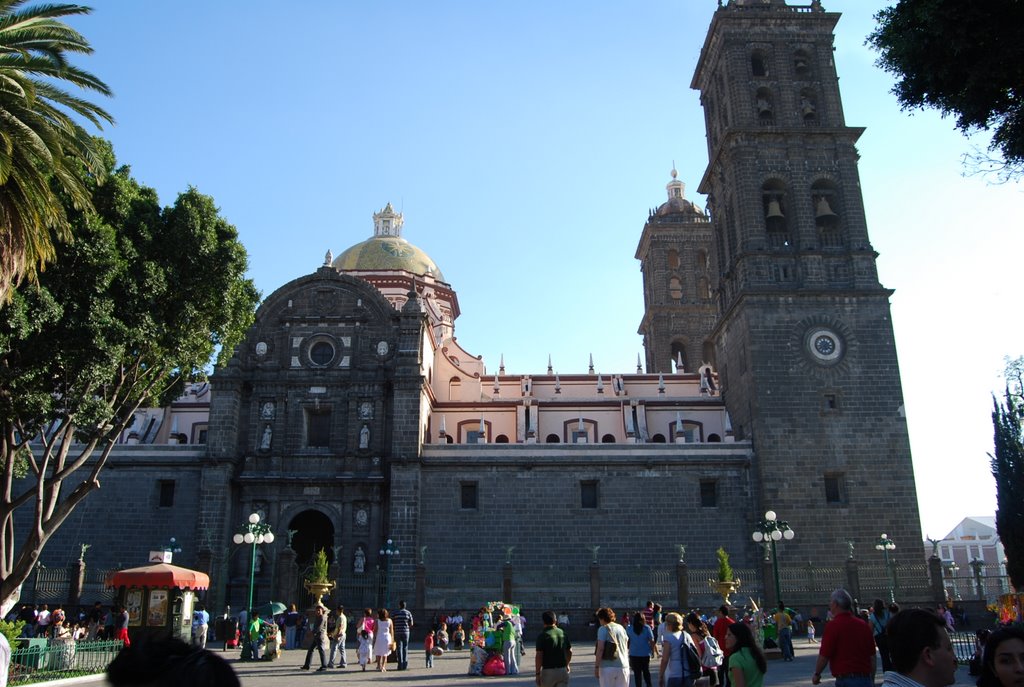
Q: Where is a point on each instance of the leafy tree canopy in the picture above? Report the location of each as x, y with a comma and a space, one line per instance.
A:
135, 307
965, 59
1008, 470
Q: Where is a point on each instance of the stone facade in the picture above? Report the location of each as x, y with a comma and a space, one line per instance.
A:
351, 417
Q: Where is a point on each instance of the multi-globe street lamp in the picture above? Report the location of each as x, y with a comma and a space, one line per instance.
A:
771, 530
252, 532
885, 545
387, 553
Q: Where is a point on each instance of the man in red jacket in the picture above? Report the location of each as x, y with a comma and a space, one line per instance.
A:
718, 631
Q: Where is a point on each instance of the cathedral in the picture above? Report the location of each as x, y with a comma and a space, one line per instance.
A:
351, 419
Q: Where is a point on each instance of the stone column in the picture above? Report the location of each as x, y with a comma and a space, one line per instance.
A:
595, 585
853, 578
76, 580
287, 576
421, 585
938, 584
683, 584
506, 582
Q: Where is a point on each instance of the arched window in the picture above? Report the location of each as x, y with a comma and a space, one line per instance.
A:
552, 439
774, 205
763, 102
658, 439
679, 358
827, 211
673, 259
808, 106
448, 439
801, 63
608, 439
454, 387
675, 288
714, 439
701, 260
758, 64
501, 439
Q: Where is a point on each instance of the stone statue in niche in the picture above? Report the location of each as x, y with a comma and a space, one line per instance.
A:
267, 412
364, 437
265, 440
359, 561
261, 348
366, 410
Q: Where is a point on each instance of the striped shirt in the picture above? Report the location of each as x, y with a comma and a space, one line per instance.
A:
402, 620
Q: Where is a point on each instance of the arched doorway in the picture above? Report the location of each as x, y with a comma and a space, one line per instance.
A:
313, 531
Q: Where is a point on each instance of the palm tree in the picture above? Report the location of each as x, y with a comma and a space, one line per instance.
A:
41, 140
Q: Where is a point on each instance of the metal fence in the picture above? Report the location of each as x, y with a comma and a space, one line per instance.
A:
42, 660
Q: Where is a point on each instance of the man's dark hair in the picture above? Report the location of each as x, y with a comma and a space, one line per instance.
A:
724, 609
548, 617
909, 632
401, 604
169, 663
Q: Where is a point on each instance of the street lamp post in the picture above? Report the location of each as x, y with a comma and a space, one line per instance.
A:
253, 532
885, 545
387, 553
771, 530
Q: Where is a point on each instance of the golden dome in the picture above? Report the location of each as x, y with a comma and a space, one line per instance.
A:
387, 253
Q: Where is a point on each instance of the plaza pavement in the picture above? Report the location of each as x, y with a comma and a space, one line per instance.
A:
451, 669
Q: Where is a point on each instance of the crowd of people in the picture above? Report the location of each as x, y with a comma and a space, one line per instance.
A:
98, 623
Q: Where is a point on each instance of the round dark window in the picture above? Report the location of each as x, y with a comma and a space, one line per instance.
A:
321, 353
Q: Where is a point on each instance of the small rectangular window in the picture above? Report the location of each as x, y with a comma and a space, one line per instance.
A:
708, 493
830, 402
467, 496
834, 489
166, 493
475, 437
588, 494
318, 429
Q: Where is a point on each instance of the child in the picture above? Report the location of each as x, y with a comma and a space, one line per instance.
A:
810, 632
428, 646
365, 647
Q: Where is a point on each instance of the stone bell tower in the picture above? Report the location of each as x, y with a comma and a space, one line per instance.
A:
803, 339
674, 254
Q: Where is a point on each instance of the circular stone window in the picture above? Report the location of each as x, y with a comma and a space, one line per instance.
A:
824, 345
321, 353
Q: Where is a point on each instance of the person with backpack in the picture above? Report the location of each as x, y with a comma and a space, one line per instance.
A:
680, 664
710, 653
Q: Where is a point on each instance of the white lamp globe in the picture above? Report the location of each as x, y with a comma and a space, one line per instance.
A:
890, 546
879, 547
758, 537
237, 539
884, 535
249, 538
770, 515
776, 535
254, 518
789, 534
269, 537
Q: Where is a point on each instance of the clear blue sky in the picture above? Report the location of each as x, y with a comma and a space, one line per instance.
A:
525, 143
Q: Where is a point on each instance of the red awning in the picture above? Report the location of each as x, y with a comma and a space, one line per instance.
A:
159, 576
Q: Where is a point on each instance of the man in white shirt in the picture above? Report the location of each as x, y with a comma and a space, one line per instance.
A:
43, 621
5, 659
922, 653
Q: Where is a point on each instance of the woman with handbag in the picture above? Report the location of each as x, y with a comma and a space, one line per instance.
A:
680, 666
384, 642
611, 665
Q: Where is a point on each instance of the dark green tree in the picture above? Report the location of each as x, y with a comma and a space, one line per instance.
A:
1008, 470
41, 140
965, 59
135, 307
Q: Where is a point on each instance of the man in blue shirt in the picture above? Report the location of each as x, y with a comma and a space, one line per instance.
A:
200, 626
